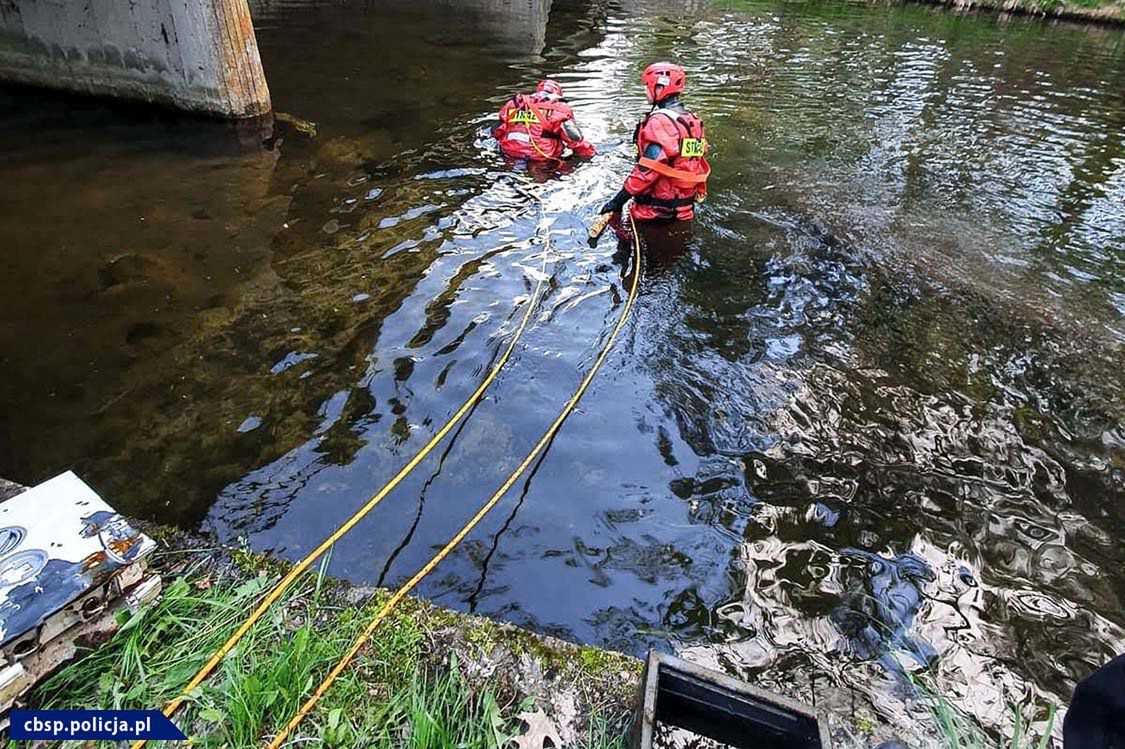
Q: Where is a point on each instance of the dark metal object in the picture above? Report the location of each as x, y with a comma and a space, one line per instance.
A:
708, 703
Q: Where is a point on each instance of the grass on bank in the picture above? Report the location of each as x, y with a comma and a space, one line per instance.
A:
950, 725
959, 731
1104, 10
1101, 11
403, 692
396, 695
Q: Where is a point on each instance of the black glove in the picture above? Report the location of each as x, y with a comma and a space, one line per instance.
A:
616, 203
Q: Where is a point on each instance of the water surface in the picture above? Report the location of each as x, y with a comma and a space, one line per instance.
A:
869, 421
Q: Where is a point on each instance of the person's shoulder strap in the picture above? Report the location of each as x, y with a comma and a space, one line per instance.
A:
693, 123
677, 119
530, 103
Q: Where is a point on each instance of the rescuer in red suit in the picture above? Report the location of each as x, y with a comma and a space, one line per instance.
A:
540, 126
670, 175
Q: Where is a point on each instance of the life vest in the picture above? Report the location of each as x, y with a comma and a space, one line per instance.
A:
529, 127
682, 172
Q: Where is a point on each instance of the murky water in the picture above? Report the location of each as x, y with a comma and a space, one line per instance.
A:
869, 420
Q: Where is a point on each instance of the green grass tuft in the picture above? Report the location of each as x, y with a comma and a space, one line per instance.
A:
961, 731
394, 696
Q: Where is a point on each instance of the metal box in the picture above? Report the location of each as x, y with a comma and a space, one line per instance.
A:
680, 694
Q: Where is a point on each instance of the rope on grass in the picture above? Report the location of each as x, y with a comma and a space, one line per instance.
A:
385, 610
285, 582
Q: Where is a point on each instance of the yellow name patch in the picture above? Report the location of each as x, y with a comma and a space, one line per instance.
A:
692, 148
523, 116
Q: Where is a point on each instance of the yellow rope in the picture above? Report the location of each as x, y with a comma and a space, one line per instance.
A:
201, 675
540, 150
385, 610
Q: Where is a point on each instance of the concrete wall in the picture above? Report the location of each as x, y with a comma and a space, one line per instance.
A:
199, 55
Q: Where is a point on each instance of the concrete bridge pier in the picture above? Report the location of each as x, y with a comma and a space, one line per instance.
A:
196, 55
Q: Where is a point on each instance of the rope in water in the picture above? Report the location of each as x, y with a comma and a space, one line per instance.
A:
285, 582
393, 601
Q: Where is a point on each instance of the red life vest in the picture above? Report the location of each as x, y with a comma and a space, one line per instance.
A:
668, 188
529, 128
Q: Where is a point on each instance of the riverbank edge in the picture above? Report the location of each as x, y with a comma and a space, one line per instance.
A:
588, 694
572, 684
1112, 15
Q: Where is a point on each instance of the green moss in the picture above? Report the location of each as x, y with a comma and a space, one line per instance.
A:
482, 637
1032, 426
601, 662
163, 535
524, 643
254, 563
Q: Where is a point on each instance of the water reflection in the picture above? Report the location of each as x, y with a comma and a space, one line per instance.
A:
199, 264
523, 24
880, 600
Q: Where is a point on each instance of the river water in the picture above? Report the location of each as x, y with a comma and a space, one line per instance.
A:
869, 420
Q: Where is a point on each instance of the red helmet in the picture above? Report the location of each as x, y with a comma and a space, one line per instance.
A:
662, 79
547, 86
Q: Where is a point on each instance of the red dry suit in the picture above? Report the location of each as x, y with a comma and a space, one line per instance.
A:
539, 127
671, 171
